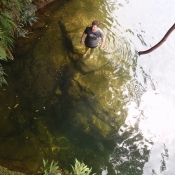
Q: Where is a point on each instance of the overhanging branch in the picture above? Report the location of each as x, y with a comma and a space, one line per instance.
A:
159, 43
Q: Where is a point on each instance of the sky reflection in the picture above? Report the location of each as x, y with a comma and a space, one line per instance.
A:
158, 125
143, 24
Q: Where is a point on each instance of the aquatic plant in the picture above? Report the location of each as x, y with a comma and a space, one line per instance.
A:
53, 169
81, 168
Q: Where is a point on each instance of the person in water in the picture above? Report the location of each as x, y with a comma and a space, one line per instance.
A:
91, 37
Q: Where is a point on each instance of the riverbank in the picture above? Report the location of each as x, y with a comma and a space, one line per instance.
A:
41, 4
5, 171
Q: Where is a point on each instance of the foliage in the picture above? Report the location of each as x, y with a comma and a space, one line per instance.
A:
27, 15
5, 171
53, 169
14, 15
2, 79
81, 169
49, 169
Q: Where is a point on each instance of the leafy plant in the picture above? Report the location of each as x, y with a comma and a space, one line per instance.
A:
2, 79
3, 54
14, 15
6, 30
81, 168
50, 169
5, 171
27, 14
53, 169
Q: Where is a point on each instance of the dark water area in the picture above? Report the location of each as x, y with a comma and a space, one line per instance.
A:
114, 112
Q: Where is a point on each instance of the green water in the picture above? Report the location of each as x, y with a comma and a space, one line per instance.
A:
109, 111
39, 117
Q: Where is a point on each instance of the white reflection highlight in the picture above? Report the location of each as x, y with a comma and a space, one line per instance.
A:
158, 115
158, 125
104, 172
155, 121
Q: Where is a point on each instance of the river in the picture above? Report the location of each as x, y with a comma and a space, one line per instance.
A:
144, 143
143, 24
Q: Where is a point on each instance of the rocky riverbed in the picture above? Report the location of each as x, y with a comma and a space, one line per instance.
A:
50, 82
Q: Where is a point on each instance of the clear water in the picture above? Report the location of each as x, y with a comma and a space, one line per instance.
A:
144, 144
147, 138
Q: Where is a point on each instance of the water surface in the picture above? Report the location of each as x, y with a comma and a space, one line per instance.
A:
141, 91
149, 125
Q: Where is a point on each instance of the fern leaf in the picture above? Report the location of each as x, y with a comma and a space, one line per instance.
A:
3, 55
2, 78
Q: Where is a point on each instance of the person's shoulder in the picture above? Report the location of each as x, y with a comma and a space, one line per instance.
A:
100, 30
88, 27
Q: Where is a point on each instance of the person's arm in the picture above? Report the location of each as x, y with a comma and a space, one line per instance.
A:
102, 42
82, 38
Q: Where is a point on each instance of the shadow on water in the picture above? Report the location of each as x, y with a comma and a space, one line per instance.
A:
36, 111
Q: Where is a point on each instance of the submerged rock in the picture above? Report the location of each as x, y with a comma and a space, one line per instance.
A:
54, 68
94, 86
54, 84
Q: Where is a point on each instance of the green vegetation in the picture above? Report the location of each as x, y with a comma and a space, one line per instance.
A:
14, 15
5, 171
2, 79
81, 169
53, 169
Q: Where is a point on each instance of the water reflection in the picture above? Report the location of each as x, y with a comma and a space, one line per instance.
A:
149, 124
139, 92
85, 98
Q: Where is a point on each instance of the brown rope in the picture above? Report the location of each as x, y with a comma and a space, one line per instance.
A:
159, 43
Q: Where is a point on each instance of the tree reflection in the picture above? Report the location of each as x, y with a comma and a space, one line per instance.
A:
131, 152
165, 157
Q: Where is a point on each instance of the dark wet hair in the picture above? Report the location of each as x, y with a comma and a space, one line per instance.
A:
95, 22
